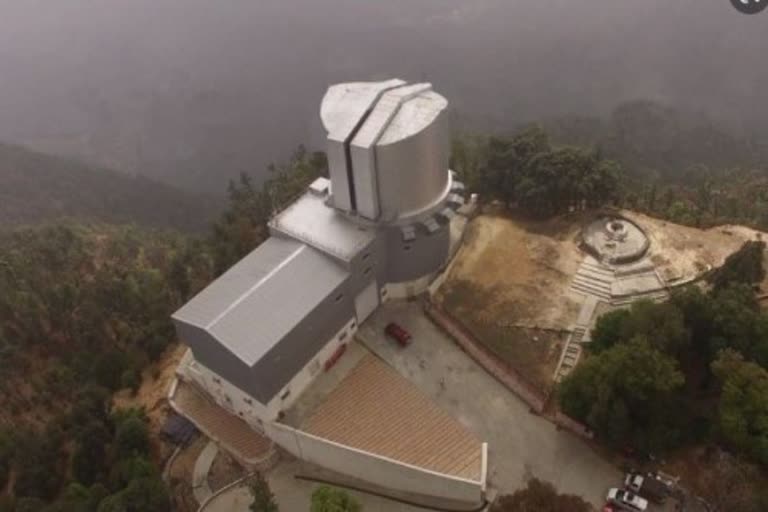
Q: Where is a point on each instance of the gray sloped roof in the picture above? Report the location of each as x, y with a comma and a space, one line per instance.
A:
256, 303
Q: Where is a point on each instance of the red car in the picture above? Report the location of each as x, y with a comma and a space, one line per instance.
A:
400, 335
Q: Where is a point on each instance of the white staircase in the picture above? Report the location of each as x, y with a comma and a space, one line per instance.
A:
593, 278
571, 354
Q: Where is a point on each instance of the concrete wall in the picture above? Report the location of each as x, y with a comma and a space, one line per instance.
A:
372, 468
407, 289
239, 402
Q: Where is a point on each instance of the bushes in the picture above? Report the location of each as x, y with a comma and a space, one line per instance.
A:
540, 496
331, 499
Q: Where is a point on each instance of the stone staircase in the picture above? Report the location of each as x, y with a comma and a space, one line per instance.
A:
593, 278
571, 353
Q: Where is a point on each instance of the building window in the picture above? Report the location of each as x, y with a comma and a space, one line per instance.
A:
248, 401
354, 324
343, 336
286, 394
217, 380
339, 297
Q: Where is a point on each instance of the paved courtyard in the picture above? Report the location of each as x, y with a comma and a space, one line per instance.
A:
521, 443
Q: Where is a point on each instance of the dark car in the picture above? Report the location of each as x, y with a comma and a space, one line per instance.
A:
400, 335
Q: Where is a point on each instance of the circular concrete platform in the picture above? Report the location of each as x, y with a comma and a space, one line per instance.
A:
615, 240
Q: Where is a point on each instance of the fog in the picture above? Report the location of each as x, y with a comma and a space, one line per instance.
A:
196, 91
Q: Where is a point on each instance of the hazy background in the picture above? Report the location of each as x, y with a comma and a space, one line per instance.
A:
196, 91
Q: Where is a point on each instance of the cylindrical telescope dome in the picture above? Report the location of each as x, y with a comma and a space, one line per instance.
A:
388, 148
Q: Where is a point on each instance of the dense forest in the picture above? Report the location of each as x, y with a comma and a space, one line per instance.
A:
36, 187
85, 307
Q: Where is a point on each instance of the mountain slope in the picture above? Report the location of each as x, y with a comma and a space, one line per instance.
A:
37, 187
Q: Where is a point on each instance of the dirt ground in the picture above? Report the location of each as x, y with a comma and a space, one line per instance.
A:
508, 285
681, 253
155, 382
516, 271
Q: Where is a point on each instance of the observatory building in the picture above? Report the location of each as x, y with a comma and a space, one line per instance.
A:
378, 228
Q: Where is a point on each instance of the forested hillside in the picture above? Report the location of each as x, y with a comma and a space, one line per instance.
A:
650, 138
37, 187
84, 308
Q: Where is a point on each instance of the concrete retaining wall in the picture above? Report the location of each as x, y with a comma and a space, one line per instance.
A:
535, 399
570, 424
378, 470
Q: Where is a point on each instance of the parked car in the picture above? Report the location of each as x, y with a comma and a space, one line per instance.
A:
397, 333
626, 500
647, 486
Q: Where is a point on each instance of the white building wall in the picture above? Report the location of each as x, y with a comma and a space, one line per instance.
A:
406, 289
248, 408
376, 469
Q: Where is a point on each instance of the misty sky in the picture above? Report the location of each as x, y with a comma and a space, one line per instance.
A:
196, 91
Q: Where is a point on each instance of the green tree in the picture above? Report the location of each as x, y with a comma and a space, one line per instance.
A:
147, 494
131, 433
89, 461
745, 266
625, 394
540, 496
263, 499
663, 325
331, 499
6, 456
610, 329
743, 410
